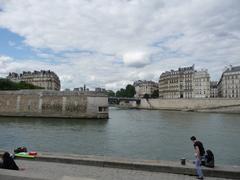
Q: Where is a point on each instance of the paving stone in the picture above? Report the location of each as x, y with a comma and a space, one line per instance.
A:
56, 171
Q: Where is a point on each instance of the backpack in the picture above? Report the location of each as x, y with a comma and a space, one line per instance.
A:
20, 149
209, 159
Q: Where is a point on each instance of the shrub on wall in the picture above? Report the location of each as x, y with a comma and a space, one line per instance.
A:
6, 84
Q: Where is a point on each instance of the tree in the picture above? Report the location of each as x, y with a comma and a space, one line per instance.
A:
6, 84
130, 91
110, 93
120, 93
146, 96
155, 94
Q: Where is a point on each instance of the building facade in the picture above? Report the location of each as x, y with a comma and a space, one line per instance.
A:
45, 79
98, 89
145, 87
177, 83
213, 89
201, 84
229, 84
185, 83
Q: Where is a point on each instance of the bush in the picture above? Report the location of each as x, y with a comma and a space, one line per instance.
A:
6, 84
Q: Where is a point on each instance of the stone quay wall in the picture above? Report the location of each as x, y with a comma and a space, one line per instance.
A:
143, 166
201, 105
43, 103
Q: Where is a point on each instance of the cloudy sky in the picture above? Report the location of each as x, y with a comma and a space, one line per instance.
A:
110, 43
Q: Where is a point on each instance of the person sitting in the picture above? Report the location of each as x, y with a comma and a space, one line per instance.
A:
8, 162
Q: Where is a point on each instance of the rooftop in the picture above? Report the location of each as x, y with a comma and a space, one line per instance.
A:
233, 69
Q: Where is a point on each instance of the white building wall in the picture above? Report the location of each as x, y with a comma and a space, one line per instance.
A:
201, 84
146, 87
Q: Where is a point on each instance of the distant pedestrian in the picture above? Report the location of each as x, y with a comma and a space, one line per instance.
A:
8, 162
199, 155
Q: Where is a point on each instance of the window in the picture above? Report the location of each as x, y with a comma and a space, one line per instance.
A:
102, 109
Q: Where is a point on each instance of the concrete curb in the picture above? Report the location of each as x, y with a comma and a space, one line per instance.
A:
232, 172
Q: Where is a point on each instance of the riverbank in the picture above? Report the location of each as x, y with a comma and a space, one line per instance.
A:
56, 104
60, 171
221, 105
45, 160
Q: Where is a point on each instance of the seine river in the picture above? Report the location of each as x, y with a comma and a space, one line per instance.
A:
140, 134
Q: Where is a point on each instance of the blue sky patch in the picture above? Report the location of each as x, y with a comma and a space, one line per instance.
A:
11, 44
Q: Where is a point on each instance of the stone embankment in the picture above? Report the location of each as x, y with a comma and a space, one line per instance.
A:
198, 105
232, 172
62, 104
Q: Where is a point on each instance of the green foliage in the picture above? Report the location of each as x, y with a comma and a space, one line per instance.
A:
128, 92
6, 84
120, 93
24, 85
155, 94
110, 93
146, 96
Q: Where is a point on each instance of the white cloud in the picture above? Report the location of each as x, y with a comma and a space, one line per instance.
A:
136, 59
4, 61
125, 40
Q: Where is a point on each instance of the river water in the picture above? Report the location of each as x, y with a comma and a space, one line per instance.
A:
140, 134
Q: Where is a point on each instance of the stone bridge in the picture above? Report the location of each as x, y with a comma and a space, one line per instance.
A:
117, 100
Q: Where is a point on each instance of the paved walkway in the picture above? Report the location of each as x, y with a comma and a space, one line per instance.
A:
59, 171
